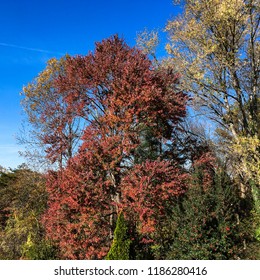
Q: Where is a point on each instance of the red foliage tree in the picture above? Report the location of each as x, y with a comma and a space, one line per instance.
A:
146, 190
79, 211
119, 94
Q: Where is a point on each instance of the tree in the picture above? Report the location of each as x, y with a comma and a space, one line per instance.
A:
6, 194
147, 41
209, 221
119, 94
23, 200
215, 46
47, 112
120, 248
247, 150
147, 190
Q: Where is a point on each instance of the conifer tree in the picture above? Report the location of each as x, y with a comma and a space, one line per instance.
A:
120, 248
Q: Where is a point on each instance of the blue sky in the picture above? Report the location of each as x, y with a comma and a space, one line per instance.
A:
34, 31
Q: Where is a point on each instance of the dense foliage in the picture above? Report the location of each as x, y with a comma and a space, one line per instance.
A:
132, 177
23, 198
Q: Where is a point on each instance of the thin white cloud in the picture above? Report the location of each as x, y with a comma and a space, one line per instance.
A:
29, 49
9, 149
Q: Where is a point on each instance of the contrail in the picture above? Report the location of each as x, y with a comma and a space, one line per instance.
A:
29, 49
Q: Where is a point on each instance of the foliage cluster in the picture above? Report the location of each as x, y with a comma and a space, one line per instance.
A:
132, 179
23, 200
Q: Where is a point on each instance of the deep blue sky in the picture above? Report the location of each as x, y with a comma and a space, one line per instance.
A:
34, 31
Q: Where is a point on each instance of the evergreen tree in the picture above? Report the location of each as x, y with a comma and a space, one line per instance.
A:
209, 222
120, 248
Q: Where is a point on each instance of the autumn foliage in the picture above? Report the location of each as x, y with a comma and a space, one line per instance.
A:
119, 94
126, 170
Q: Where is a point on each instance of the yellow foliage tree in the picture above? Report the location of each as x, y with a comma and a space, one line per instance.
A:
247, 149
41, 96
215, 45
